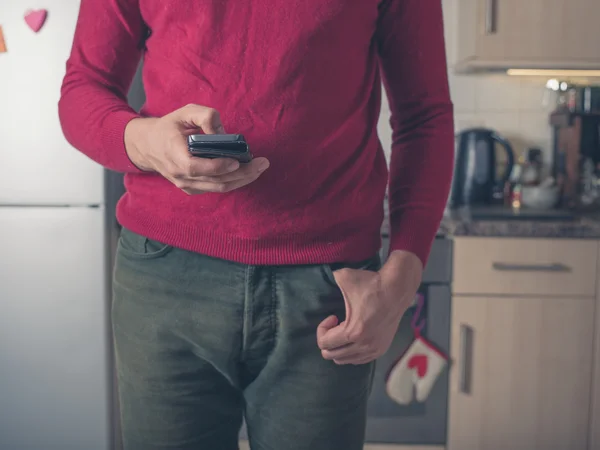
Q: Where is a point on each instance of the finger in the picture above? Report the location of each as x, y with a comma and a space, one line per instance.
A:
345, 351
186, 167
192, 186
220, 187
180, 165
215, 167
324, 327
250, 171
335, 337
185, 178
355, 360
203, 117
343, 280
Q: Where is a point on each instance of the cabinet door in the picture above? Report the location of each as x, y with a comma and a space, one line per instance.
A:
595, 409
54, 330
522, 373
531, 34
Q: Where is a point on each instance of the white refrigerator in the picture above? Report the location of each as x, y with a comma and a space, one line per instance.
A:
57, 239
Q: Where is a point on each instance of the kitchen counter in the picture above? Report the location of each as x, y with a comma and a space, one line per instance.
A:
502, 222
527, 224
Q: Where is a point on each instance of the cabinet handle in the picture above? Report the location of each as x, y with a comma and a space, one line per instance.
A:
490, 17
466, 358
554, 267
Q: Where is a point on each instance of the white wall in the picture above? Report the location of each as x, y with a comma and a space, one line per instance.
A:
517, 108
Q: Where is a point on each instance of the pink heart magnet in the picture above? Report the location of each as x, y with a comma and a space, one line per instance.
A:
36, 19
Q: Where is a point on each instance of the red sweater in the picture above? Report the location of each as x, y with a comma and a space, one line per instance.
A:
302, 81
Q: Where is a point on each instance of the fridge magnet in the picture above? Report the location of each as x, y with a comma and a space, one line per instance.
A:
35, 19
2, 41
415, 373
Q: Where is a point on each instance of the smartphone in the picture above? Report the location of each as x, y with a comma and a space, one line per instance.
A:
219, 146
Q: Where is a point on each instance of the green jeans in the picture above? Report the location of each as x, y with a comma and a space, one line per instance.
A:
202, 343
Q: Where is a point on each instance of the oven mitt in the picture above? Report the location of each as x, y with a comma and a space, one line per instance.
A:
415, 372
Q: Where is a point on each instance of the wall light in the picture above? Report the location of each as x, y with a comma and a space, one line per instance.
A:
553, 73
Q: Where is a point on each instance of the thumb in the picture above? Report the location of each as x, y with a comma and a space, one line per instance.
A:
326, 325
203, 117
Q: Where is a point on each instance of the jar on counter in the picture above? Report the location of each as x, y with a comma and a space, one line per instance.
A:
532, 168
572, 99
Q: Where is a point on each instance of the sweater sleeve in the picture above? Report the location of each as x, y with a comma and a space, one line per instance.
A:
410, 39
93, 106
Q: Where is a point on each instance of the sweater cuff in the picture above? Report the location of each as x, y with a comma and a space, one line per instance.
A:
413, 233
113, 141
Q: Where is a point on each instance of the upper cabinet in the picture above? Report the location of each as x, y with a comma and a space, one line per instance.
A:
527, 34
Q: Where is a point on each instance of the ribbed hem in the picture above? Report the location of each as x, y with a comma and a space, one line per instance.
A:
414, 233
113, 134
278, 250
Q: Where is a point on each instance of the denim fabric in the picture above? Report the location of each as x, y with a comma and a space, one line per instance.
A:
201, 343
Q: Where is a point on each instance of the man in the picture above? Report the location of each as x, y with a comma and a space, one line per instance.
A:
254, 290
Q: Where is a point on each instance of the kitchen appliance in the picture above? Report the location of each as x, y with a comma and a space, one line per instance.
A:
420, 424
583, 99
576, 155
58, 237
475, 169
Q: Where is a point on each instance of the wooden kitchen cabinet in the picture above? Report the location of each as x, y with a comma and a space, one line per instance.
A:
532, 34
517, 266
525, 345
522, 373
594, 443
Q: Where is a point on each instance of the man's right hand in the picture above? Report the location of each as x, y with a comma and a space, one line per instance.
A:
160, 145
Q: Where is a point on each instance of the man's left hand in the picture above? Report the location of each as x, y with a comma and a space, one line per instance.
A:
375, 302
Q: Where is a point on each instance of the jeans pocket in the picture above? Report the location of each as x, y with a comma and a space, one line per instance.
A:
136, 246
373, 264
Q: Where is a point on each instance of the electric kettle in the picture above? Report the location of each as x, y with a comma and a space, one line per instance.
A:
475, 169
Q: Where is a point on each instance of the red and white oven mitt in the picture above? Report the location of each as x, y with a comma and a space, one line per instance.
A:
415, 373
417, 370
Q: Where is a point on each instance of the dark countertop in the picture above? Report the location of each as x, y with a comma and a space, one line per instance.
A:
501, 222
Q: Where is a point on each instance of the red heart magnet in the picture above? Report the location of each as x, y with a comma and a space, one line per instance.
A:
2, 43
418, 361
36, 19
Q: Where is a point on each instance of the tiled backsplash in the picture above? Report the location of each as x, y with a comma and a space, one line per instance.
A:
517, 108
